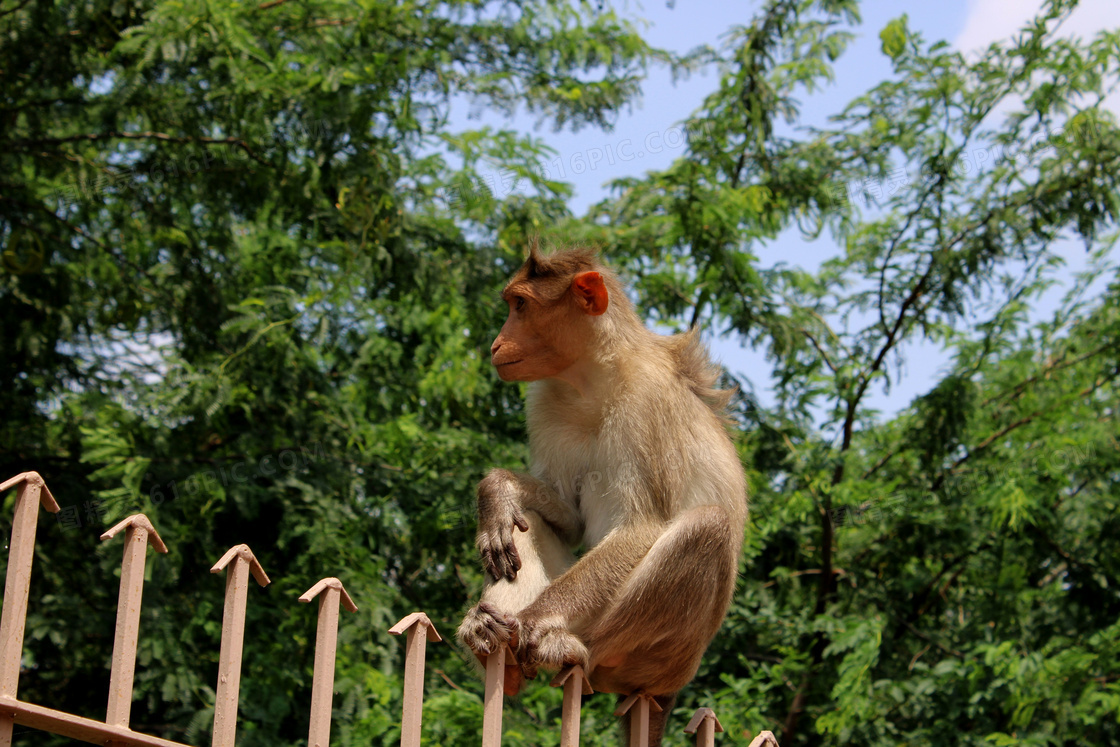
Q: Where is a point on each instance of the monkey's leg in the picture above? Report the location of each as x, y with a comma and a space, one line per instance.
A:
657, 628
550, 625
492, 622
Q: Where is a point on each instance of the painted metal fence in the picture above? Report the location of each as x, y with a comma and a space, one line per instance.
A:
420, 630
239, 564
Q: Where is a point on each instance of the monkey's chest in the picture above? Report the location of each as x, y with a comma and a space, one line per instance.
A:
592, 478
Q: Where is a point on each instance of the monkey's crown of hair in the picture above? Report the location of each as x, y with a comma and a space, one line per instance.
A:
560, 264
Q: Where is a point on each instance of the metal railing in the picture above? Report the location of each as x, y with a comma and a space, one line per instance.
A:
239, 564
420, 629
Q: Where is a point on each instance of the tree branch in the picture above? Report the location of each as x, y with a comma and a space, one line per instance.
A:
1056, 364
1025, 420
161, 136
18, 6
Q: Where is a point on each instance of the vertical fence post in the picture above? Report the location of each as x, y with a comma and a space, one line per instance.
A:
492, 701
639, 717
33, 492
575, 685
420, 631
326, 645
704, 725
233, 637
139, 532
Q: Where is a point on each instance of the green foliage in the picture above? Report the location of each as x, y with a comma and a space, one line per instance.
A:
249, 283
246, 292
947, 576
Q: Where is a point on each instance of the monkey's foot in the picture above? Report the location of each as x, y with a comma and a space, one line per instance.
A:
485, 630
554, 647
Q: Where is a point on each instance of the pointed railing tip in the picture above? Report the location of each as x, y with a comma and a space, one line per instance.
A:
141, 521
414, 619
763, 739
634, 698
329, 583
698, 718
566, 674
243, 552
46, 498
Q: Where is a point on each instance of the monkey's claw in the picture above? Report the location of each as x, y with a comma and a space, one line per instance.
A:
485, 630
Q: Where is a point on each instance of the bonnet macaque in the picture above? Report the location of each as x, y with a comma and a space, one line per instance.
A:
631, 461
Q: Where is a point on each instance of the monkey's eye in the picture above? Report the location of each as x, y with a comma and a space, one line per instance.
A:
519, 303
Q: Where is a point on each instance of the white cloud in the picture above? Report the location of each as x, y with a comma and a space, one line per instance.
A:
993, 20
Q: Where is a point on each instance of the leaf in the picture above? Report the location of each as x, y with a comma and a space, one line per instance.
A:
893, 37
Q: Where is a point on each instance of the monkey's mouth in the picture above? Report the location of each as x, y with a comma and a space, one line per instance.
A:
506, 363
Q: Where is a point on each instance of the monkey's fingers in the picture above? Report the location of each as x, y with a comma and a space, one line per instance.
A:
513, 560
507, 556
488, 553
485, 630
528, 670
499, 555
520, 523
494, 564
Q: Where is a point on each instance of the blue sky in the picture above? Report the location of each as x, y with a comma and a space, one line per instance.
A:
649, 138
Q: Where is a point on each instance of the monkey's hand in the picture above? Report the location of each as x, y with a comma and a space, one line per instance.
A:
548, 644
499, 512
485, 630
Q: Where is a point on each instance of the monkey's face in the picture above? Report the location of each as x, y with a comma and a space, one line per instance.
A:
538, 341
543, 338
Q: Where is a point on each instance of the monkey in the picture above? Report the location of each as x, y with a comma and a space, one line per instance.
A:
630, 458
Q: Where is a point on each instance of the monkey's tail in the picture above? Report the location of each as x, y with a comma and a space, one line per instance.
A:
695, 365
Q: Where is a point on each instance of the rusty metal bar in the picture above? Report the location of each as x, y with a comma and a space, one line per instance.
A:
233, 638
575, 684
139, 532
420, 631
76, 727
33, 492
326, 644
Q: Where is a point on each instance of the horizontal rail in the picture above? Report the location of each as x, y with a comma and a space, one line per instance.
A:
76, 727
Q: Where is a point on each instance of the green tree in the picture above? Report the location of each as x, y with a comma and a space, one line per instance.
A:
249, 282
947, 576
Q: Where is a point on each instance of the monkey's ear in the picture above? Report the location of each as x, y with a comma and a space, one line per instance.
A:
591, 292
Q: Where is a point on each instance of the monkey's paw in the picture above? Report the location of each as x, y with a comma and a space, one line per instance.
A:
498, 515
485, 630
552, 646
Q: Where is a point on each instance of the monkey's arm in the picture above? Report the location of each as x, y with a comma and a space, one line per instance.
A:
592, 583
503, 496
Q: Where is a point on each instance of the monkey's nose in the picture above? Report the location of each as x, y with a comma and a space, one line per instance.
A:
494, 348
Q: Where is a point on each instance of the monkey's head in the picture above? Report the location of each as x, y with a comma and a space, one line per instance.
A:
552, 302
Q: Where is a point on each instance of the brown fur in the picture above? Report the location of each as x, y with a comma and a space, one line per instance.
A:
631, 460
